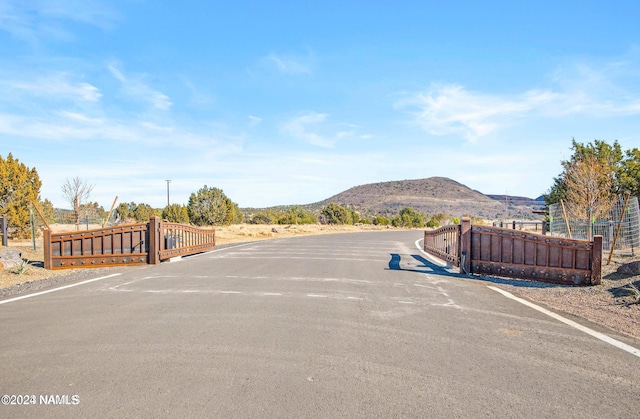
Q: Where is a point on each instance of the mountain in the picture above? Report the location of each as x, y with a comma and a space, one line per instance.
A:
429, 196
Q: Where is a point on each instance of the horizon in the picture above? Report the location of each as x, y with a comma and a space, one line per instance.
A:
291, 103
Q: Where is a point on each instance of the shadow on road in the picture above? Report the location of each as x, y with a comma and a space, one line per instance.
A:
424, 266
428, 267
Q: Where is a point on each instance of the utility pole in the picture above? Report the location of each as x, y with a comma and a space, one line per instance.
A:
168, 182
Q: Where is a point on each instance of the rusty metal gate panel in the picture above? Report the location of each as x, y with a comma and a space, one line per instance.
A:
516, 254
112, 246
131, 244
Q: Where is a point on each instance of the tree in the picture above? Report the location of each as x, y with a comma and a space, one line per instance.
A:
629, 178
76, 192
592, 177
46, 207
267, 216
210, 206
336, 214
125, 210
588, 185
408, 217
297, 215
176, 213
19, 187
143, 213
381, 220
611, 160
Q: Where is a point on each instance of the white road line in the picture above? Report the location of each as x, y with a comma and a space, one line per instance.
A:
316, 296
295, 257
597, 335
10, 300
432, 259
276, 294
231, 292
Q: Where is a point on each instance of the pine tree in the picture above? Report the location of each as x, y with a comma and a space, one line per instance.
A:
19, 187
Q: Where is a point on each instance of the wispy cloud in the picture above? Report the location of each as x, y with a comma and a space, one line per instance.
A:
254, 121
290, 65
135, 87
451, 109
311, 128
44, 20
54, 86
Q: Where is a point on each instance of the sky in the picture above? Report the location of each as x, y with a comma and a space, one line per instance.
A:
291, 102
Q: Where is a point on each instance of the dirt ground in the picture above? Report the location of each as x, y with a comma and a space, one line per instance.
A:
613, 304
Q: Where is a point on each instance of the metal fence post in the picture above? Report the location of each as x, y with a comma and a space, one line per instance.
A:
465, 245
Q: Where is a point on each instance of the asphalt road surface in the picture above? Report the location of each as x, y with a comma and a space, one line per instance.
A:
343, 325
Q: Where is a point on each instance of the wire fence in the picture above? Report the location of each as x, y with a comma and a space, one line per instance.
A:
622, 226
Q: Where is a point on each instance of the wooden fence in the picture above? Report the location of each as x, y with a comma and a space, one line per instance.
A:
516, 254
130, 244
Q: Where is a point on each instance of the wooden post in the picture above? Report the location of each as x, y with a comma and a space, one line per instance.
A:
564, 215
46, 244
465, 245
596, 261
615, 237
44, 220
154, 240
110, 211
3, 227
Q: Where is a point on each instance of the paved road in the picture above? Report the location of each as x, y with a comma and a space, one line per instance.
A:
349, 325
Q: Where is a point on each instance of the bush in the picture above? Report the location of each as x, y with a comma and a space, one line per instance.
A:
409, 218
336, 214
297, 215
433, 223
381, 220
176, 213
210, 206
265, 217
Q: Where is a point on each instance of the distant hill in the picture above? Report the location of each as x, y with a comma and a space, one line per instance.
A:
519, 200
430, 196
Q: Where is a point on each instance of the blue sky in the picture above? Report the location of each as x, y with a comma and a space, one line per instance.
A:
291, 102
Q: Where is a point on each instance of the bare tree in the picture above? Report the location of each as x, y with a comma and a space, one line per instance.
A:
588, 183
76, 192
